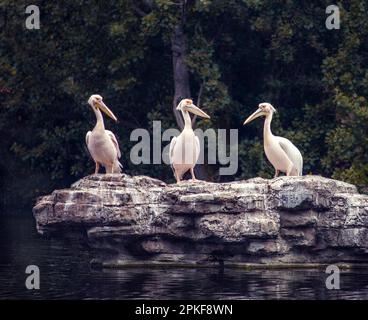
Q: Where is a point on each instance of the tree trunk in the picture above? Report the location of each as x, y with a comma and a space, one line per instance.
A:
180, 70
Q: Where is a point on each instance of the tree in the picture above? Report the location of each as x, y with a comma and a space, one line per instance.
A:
142, 56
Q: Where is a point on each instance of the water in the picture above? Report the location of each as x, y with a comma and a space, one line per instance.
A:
66, 274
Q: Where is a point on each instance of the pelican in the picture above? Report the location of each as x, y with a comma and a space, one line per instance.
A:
102, 144
282, 154
185, 148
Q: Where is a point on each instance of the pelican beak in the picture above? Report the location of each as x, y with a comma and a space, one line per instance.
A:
103, 107
255, 115
194, 109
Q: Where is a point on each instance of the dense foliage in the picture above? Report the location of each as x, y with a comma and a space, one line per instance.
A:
240, 53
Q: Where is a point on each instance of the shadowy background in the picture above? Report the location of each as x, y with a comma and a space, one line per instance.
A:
228, 56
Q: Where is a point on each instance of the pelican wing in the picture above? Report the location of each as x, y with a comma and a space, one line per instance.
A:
292, 153
87, 137
198, 148
114, 141
171, 151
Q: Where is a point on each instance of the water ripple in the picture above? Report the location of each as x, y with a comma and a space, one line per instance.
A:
66, 274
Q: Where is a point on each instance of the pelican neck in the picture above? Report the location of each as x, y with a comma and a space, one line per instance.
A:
99, 120
187, 120
267, 127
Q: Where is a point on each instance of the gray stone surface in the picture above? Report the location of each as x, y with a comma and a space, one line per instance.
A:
140, 220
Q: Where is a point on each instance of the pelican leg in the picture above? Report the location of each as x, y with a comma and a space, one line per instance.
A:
97, 168
288, 172
291, 170
295, 172
177, 177
193, 175
179, 173
276, 173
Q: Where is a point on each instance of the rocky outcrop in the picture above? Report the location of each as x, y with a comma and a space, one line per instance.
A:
139, 220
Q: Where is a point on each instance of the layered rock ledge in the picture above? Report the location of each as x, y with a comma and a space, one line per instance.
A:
131, 221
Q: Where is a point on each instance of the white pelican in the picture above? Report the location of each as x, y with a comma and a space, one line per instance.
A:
282, 154
101, 143
185, 148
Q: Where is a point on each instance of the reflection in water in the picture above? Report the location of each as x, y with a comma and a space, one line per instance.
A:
66, 274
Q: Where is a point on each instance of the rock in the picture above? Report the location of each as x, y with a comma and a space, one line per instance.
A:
300, 236
139, 220
306, 218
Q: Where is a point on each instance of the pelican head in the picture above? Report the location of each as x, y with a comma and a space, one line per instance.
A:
186, 105
264, 109
95, 101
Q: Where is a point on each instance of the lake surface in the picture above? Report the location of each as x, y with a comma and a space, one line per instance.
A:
65, 273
